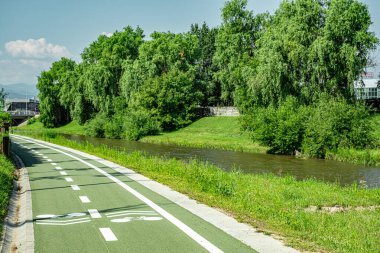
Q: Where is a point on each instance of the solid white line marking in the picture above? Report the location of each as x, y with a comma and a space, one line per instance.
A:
62, 224
63, 221
130, 212
126, 214
54, 164
63, 173
179, 224
69, 179
75, 187
94, 213
108, 234
58, 168
84, 199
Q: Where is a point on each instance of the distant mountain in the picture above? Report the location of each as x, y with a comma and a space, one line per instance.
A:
20, 90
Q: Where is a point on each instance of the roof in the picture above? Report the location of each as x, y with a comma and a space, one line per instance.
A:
20, 100
368, 83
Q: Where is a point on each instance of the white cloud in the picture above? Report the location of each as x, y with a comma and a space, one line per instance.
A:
107, 34
38, 49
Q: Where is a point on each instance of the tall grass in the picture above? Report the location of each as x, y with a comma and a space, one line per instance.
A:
270, 203
6, 177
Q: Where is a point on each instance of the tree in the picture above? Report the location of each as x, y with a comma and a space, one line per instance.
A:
205, 82
165, 52
312, 47
235, 46
102, 63
53, 113
169, 98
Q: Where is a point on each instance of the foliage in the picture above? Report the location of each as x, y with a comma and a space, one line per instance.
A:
139, 124
310, 47
205, 82
281, 128
6, 177
235, 45
336, 124
53, 113
323, 127
5, 118
96, 126
170, 98
3, 94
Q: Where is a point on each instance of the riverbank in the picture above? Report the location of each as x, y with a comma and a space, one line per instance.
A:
6, 179
309, 215
223, 133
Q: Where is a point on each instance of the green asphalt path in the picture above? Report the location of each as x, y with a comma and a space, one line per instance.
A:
63, 223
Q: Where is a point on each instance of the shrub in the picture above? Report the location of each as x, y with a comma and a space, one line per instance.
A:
114, 128
336, 124
96, 126
327, 125
279, 128
139, 124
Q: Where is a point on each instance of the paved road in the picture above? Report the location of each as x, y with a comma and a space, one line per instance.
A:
80, 205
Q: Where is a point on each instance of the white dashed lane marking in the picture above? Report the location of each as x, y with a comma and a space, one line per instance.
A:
58, 168
108, 234
75, 187
84, 199
54, 164
63, 173
94, 213
69, 179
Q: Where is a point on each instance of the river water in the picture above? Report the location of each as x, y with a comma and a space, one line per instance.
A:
325, 170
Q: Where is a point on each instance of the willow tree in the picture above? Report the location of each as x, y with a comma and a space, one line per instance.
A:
53, 112
312, 47
235, 47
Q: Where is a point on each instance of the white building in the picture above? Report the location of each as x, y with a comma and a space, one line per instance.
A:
367, 89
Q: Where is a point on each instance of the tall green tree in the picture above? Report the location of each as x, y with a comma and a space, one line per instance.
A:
206, 84
53, 113
235, 46
103, 61
312, 47
165, 52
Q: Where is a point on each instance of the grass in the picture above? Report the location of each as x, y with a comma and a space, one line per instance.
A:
6, 177
275, 205
71, 128
210, 132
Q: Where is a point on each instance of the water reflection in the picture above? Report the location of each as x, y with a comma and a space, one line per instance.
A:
326, 170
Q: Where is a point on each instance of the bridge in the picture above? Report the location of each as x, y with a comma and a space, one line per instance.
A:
21, 109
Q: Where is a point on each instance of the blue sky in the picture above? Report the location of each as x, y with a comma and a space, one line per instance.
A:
34, 33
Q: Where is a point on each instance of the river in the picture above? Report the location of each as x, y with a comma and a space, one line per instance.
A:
324, 170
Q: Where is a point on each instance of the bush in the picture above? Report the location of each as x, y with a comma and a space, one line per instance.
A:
139, 124
279, 128
114, 128
327, 125
336, 124
95, 127
6, 177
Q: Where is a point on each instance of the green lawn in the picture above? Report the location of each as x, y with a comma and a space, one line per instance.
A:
210, 132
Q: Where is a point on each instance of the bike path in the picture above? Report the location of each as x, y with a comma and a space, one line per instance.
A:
80, 205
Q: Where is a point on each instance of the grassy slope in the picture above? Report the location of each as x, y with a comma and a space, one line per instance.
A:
273, 204
71, 128
6, 177
210, 132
